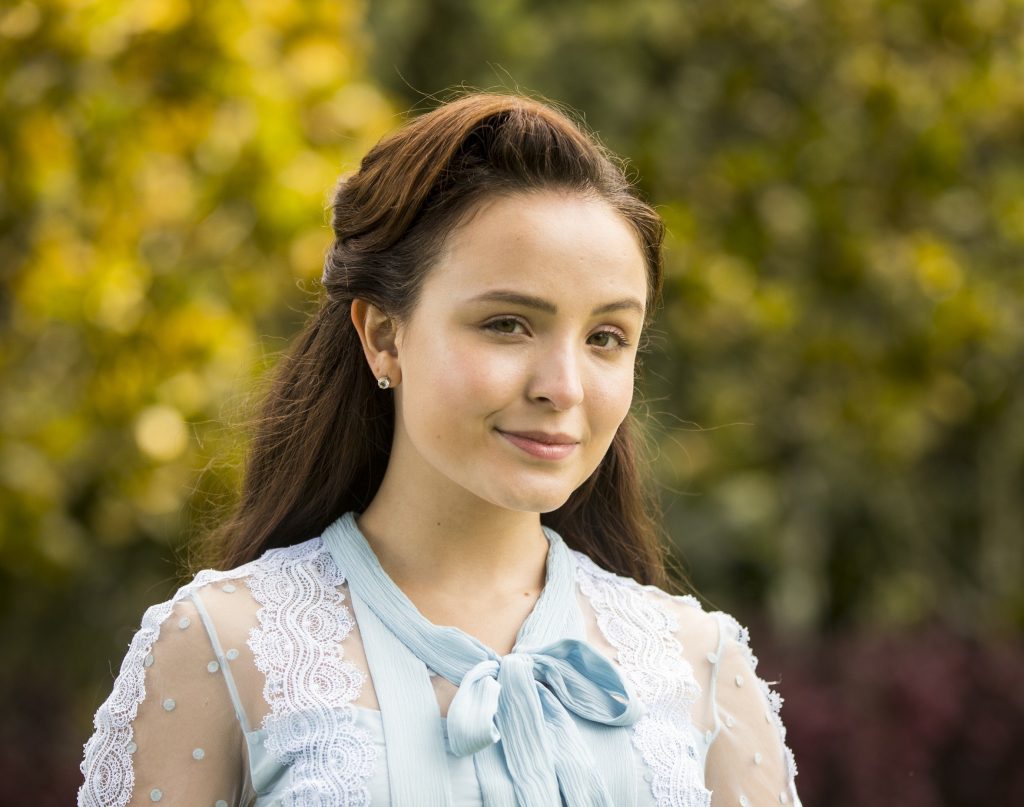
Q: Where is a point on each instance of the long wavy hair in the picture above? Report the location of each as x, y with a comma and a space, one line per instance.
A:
321, 441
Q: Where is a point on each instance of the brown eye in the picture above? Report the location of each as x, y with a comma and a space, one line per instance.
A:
494, 324
618, 341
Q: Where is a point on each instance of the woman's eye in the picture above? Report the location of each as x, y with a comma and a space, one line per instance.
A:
616, 340
495, 324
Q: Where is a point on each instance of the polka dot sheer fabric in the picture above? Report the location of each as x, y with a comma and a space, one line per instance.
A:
251, 687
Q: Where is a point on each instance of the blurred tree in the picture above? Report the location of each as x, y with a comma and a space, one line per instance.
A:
838, 384
163, 171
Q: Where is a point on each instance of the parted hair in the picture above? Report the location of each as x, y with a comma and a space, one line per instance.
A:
321, 439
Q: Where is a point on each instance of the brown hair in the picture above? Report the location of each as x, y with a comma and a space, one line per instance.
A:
322, 441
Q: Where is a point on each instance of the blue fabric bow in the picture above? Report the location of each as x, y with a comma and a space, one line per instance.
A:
520, 701
524, 700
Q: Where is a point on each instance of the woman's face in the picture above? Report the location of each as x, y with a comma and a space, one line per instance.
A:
528, 323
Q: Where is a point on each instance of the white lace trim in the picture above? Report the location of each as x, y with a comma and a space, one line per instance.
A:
742, 636
308, 686
644, 637
310, 689
107, 761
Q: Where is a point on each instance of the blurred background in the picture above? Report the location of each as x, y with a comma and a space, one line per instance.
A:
835, 384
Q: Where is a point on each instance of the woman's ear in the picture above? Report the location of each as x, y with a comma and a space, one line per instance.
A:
377, 331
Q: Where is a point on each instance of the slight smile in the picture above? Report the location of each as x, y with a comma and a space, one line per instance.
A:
554, 447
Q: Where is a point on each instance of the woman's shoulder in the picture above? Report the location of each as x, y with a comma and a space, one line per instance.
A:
682, 614
703, 633
712, 642
230, 598
306, 560
308, 555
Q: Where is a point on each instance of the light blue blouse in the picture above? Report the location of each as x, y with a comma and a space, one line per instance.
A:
545, 724
269, 777
553, 722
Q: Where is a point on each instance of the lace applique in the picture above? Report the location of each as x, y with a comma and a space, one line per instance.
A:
107, 762
742, 636
311, 726
309, 688
643, 635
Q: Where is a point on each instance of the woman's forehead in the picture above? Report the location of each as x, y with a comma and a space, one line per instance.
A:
547, 242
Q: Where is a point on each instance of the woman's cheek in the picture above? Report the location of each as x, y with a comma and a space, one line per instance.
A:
613, 399
490, 377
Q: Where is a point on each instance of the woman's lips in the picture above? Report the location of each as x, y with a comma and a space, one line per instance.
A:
545, 451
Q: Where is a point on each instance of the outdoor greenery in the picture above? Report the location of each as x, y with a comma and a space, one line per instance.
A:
835, 382
839, 383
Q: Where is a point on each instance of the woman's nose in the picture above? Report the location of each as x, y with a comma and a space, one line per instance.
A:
557, 377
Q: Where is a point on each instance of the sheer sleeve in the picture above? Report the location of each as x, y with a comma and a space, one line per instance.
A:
169, 732
748, 762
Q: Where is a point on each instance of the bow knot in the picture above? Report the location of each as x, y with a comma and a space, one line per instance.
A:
517, 710
539, 686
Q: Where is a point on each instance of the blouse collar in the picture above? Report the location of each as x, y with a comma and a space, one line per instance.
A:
527, 699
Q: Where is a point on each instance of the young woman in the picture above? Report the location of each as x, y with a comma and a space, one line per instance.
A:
443, 583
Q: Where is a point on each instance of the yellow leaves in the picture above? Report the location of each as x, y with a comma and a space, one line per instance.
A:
785, 211
166, 190
158, 15
27, 84
308, 174
275, 14
160, 433
198, 326
862, 67
777, 307
162, 492
231, 127
916, 268
355, 108
1010, 217
316, 62
67, 280
935, 268
185, 392
20, 21
257, 49
106, 29
174, 128
904, 431
29, 471
54, 281
47, 147
115, 297
224, 230
307, 252
298, 193
730, 280
739, 298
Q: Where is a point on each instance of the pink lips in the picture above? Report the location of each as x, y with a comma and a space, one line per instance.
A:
553, 447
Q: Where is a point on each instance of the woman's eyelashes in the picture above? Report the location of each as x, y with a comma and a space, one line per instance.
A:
497, 326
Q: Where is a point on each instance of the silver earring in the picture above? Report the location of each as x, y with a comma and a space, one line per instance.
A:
383, 382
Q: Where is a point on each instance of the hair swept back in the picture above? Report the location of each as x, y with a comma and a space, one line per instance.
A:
321, 440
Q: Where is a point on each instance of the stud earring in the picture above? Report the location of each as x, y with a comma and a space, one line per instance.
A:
383, 382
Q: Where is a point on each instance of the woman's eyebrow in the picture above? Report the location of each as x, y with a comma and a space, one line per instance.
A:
529, 301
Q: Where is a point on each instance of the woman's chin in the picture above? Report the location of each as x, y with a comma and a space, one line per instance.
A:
531, 502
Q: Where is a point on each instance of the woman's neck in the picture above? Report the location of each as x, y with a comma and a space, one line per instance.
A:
426, 542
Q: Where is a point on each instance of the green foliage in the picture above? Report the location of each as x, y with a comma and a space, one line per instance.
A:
837, 381
165, 168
